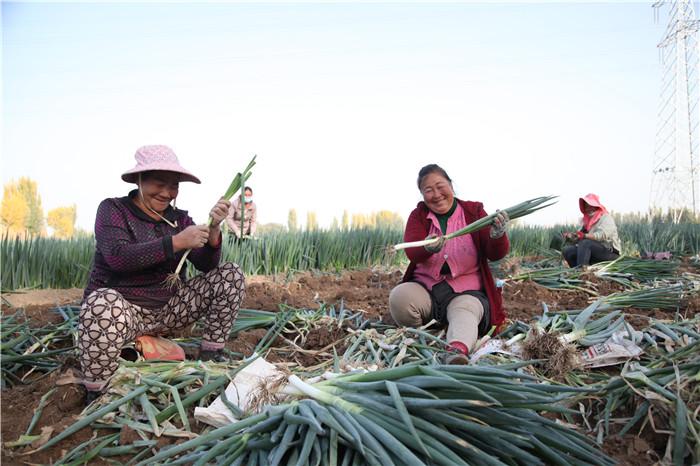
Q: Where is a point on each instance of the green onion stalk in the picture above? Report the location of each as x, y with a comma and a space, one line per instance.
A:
516, 211
672, 335
174, 279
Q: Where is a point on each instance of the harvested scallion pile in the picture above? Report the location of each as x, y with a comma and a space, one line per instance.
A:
412, 415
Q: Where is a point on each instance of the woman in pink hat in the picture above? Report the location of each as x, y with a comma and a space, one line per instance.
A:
597, 239
140, 239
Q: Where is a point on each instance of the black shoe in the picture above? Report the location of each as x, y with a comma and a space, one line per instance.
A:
214, 356
91, 396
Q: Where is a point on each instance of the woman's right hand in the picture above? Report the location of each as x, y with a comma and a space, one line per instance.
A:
436, 246
192, 237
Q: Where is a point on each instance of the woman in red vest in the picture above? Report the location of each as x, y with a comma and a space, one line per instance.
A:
450, 281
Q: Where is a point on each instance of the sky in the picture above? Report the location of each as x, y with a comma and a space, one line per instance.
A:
343, 103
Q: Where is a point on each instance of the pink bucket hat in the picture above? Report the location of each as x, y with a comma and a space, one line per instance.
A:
157, 158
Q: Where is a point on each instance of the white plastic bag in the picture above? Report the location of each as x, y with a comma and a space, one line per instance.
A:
238, 393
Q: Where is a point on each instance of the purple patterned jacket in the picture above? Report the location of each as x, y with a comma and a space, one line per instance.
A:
134, 253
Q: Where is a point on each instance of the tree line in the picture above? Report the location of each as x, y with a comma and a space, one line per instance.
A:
380, 219
21, 212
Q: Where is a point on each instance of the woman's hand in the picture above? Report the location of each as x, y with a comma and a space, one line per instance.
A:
219, 212
436, 246
192, 237
499, 225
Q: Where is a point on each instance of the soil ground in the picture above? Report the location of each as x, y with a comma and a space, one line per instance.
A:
360, 290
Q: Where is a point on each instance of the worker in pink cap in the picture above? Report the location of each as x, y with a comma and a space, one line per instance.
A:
140, 239
597, 239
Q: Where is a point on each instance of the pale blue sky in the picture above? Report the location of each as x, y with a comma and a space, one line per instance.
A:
343, 103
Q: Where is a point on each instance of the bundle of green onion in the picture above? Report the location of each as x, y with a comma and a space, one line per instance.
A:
556, 278
516, 211
579, 327
238, 181
301, 320
662, 297
392, 347
25, 349
624, 269
412, 415
152, 398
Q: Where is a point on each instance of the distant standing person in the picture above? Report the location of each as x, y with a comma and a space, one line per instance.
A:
450, 281
597, 239
242, 221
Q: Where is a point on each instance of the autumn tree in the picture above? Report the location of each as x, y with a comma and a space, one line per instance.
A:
381, 219
62, 220
311, 221
387, 219
20, 210
14, 211
292, 220
362, 221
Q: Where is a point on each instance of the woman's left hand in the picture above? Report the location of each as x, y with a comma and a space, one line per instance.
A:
219, 212
500, 224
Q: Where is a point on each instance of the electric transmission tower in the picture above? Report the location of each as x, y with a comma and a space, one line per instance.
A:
674, 181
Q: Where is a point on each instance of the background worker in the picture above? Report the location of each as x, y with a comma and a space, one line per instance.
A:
242, 216
597, 239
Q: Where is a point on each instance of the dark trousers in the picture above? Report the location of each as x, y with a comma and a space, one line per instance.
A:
586, 252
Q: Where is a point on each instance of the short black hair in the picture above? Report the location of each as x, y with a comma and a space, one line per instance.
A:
432, 168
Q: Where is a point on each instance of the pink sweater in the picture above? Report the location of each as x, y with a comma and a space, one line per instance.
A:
489, 249
460, 254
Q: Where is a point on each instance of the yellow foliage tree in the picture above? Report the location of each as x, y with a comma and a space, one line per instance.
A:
20, 209
363, 221
381, 219
14, 211
311, 221
62, 220
385, 218
292, 220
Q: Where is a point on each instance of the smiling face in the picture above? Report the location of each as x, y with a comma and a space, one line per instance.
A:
437, 193
159, 189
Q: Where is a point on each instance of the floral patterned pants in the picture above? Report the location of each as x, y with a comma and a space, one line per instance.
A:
108, 321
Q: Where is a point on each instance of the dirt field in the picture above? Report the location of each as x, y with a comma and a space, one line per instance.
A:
365, 290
